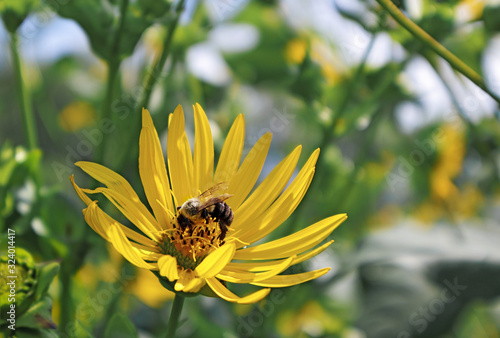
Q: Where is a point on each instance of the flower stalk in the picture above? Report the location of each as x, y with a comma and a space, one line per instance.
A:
24, 99
113, 62
175, 314
154, 72
438, 48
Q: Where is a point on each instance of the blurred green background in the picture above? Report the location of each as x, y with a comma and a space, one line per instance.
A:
409, 150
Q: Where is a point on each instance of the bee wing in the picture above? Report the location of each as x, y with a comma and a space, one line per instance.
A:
214, 200
215, 190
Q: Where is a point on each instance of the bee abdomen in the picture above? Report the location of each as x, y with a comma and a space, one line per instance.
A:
223, 213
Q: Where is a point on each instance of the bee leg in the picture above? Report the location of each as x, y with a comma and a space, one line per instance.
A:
184, 222
223, 231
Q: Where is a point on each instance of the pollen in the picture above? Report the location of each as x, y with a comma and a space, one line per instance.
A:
193, 243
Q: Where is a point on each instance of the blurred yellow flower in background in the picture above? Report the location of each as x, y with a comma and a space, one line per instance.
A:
295, 51
77, 115
471, 9
310, 320
149, 289
450, 156
192, 243
446, 198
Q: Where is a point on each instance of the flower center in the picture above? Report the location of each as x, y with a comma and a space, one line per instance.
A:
191, 244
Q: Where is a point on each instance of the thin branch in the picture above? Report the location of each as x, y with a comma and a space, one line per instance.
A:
430, 42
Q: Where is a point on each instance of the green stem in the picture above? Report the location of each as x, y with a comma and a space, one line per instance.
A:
113, 62
174, 316
24, 100
151, 79
67, 314
329, 133
154, 72
430, 42
452, 95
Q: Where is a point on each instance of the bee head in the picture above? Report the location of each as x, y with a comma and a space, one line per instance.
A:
191, 207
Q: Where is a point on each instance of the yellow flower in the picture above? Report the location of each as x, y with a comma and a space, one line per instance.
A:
77, 115
194, 254
295, 51
149, 290
310, 320
451, 153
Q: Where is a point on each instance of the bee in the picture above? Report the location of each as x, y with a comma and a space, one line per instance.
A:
208, 205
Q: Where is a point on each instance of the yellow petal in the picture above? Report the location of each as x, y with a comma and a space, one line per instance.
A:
238, 276
98, 228
267, 191
110, 179
305, 256
264, 224
194, 285
281, 281
168, 267
122, 245
90, 217
293, 244
203, 162
225, 294
180, 161
118, 184
80, 193
188, 282
243, 181
153, 171
148, 226
230, 156
282, 208
117, 237
269, 265
216, 261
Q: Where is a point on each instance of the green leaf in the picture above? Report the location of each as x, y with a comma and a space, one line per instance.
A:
309, 81
94, 16
98, 20
14, 12
155, 8
266, 63
46, 274
38, 316
61, 223
469, 46
120, 327
490, 16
